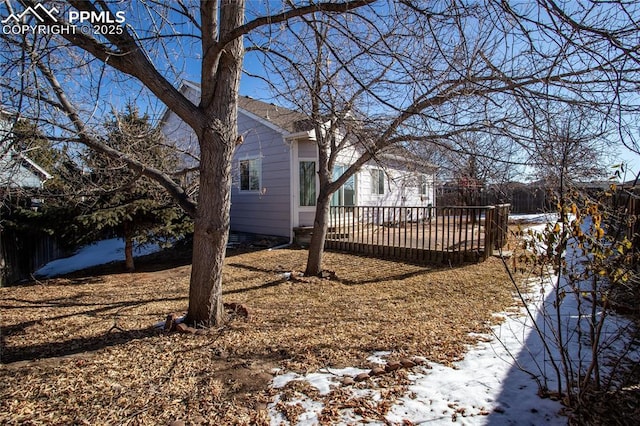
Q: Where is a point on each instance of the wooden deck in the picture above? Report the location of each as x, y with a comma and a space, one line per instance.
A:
419, 234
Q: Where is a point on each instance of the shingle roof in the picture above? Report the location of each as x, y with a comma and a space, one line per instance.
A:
285, 118
289, 120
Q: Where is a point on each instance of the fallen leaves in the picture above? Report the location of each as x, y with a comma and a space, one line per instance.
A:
74, 367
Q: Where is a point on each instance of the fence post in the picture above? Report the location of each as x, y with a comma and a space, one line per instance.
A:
489, 229
501, 224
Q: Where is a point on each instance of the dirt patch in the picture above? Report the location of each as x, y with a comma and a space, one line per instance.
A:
85, 350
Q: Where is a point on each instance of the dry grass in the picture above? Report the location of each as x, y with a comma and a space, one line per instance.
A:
83, 350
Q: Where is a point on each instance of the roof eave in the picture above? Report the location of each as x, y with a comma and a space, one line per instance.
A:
305, 134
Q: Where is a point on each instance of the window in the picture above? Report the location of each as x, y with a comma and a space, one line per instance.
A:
346, 194
250, 175
424, 185
307, 183
377, 181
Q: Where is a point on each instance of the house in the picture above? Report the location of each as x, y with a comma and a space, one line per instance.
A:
275, 170
16, 169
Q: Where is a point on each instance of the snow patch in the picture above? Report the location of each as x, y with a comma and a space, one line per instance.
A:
98, 253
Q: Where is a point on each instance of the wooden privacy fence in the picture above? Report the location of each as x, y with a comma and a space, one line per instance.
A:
22, 252
419, 234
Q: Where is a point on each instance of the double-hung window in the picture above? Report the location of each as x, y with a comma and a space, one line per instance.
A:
377, 181
424, 185
250, 175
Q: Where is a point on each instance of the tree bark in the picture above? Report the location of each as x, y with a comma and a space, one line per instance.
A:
211, 232
320, 226
128, 247
323, 202
222, 66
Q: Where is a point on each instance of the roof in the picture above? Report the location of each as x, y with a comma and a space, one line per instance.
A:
284, 118
16, 169
402, 155
289, 120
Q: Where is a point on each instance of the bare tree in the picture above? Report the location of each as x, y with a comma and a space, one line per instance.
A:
420, 75
43, 71
568, 150
475, 161
598, 37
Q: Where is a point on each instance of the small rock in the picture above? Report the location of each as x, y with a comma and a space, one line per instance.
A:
393, 366
407, 363
348, 381
177, 423
377, 371
261, 406
361, 377
327, 275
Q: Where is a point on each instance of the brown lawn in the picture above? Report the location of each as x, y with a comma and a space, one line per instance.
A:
84, 350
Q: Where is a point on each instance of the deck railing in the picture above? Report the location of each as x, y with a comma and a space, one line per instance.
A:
419, 234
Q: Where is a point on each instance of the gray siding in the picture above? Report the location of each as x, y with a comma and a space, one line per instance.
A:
307, 149
181, 134
267, 211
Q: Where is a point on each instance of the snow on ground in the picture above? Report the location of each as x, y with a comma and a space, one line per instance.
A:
98, 253
498, 381
484, 388
533, 217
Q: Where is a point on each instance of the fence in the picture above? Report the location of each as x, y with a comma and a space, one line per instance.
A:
419, 234
21, 253
522, 198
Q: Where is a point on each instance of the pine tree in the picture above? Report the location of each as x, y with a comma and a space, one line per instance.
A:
122, 201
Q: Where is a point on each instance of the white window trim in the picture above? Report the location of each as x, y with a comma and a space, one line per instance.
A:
258, 161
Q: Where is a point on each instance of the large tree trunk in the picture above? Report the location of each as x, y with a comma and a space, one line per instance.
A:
321, 219
211, 231
320, 226
221, 68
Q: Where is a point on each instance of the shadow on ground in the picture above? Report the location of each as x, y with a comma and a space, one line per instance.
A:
113, 334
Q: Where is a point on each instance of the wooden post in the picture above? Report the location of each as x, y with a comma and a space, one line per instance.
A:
489, 226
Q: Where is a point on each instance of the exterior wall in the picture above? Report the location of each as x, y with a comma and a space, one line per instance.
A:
13, 174
16, 171
402, 188
274, 208
268, 210
181, 134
